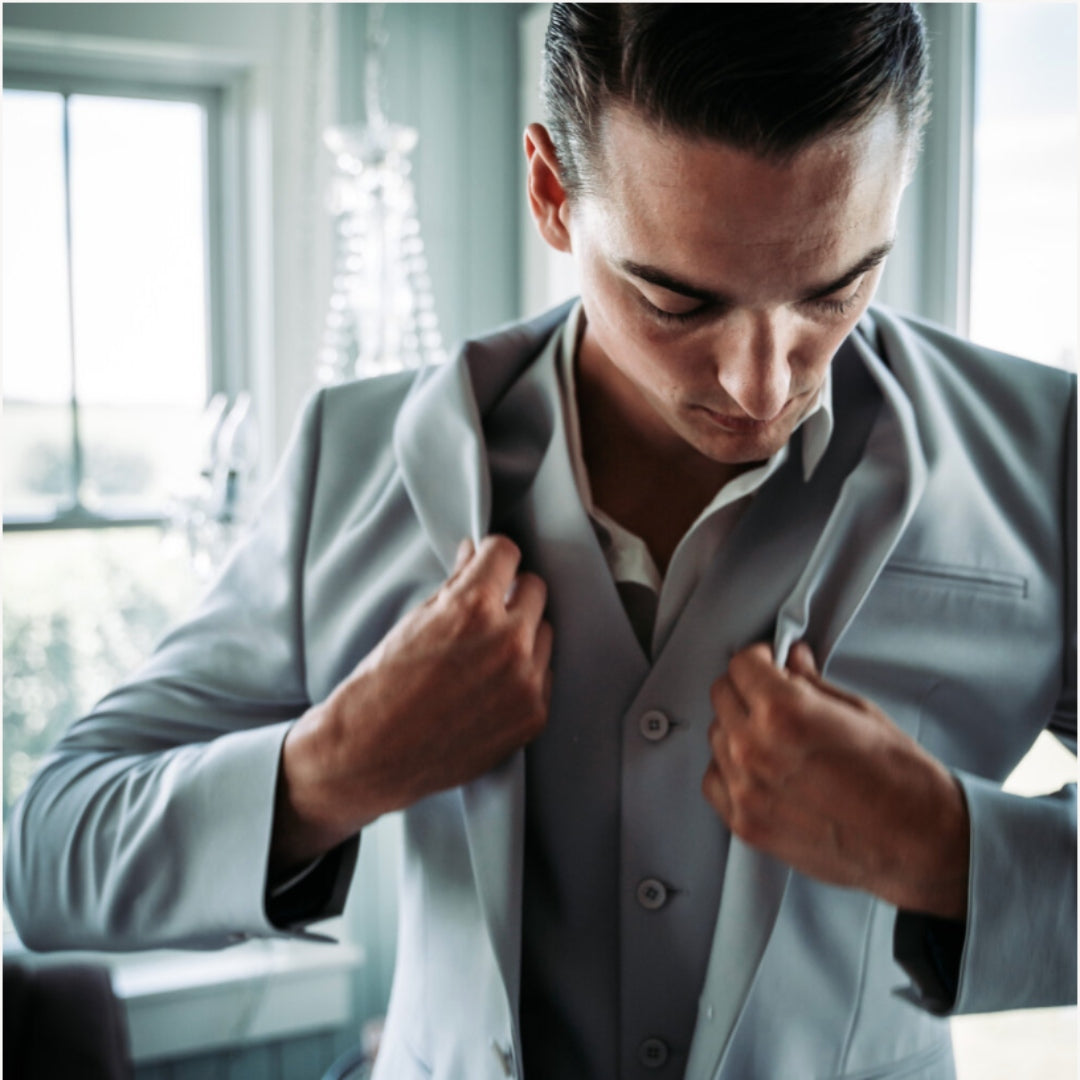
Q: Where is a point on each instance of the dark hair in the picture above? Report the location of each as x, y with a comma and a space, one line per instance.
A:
767, 78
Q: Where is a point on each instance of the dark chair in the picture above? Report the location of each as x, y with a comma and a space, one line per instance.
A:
63, 1020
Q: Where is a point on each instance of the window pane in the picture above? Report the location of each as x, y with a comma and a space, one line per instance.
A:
1024, 281
138, 213
82, 608
37, 361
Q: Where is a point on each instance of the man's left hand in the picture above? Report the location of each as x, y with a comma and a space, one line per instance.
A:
825, 781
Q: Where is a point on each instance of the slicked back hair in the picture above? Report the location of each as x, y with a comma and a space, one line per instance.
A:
764, 78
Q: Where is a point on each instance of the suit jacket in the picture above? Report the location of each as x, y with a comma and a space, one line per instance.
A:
938, 580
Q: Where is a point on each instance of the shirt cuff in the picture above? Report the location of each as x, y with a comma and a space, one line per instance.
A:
930, 949
308, 896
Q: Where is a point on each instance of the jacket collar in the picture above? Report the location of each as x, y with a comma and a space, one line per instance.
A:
439, 433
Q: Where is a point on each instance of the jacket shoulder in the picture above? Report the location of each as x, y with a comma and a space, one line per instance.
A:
933, 352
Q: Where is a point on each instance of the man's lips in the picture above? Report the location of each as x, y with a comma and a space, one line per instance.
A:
740, 425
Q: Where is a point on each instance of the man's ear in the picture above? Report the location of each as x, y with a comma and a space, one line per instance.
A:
547, 197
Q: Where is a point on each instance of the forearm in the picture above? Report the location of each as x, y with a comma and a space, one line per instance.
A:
113, 851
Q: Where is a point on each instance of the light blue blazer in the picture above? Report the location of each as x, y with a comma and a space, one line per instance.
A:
939, 582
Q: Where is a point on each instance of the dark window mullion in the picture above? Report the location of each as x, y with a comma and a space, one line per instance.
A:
76, 441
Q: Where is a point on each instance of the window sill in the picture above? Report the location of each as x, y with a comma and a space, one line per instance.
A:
179, 1003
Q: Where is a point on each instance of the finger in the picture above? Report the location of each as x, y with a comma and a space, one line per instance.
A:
493, 566
718, 745
728, 704
715, 791
549, 682
528, 596
545, 639
753, 671
801, 662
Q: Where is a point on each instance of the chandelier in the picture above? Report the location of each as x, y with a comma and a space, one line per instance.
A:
381, 313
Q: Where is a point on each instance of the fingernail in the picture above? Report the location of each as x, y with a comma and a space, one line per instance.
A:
465, 549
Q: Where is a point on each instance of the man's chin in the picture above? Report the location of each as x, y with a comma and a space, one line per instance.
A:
750, 444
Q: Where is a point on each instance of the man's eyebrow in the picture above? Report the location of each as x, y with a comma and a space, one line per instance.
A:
655, 276
867, 262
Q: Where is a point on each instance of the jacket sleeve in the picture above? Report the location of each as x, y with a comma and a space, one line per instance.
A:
149, 824
1018, 947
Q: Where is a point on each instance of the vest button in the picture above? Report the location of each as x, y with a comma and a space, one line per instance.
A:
652, 894
653, 1053
654, 725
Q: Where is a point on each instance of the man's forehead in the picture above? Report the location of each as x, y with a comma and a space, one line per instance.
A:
690, 197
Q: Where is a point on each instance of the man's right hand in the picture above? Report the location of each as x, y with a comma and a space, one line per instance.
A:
454, 688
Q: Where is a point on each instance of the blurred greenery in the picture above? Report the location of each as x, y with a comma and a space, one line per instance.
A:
82, 609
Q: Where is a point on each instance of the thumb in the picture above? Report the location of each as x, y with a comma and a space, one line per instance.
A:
801, 661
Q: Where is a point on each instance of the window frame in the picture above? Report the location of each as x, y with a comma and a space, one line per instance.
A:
75, 515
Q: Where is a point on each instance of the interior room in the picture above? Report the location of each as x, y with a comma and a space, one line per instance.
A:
211, 211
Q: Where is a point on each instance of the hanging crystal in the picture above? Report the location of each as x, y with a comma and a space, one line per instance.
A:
381, 315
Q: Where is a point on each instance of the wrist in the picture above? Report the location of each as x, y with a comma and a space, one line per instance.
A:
934, 877
308, 814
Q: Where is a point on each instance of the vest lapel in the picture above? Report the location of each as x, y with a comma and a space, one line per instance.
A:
873, 506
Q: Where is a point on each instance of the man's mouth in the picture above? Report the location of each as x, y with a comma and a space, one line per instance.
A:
738, 424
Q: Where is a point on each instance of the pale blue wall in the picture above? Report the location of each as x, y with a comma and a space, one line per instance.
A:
452, 73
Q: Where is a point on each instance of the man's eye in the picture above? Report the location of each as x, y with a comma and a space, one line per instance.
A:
832, 305
664, 316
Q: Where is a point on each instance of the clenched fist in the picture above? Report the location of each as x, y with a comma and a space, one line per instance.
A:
826, 782
454, 688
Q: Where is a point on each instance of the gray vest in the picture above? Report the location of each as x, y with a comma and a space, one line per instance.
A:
624, 859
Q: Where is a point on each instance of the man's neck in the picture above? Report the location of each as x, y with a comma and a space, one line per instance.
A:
642, 475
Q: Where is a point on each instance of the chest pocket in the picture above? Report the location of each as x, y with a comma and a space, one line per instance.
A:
965, 659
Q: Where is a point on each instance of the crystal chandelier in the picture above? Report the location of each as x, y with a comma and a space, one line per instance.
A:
381, 315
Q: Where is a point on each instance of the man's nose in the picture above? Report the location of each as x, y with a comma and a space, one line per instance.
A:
754, 362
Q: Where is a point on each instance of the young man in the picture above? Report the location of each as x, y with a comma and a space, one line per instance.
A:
761, 596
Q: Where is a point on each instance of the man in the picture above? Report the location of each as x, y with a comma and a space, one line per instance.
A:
771, 590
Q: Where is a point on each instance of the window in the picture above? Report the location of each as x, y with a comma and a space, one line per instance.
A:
185, 126
108, 364
1023, 266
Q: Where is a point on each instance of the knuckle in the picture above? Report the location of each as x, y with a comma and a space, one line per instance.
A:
743, 751
477, 608
520, 641
772, 718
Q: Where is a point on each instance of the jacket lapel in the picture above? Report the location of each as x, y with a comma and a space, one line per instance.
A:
873, 507
439, 437
452, 466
